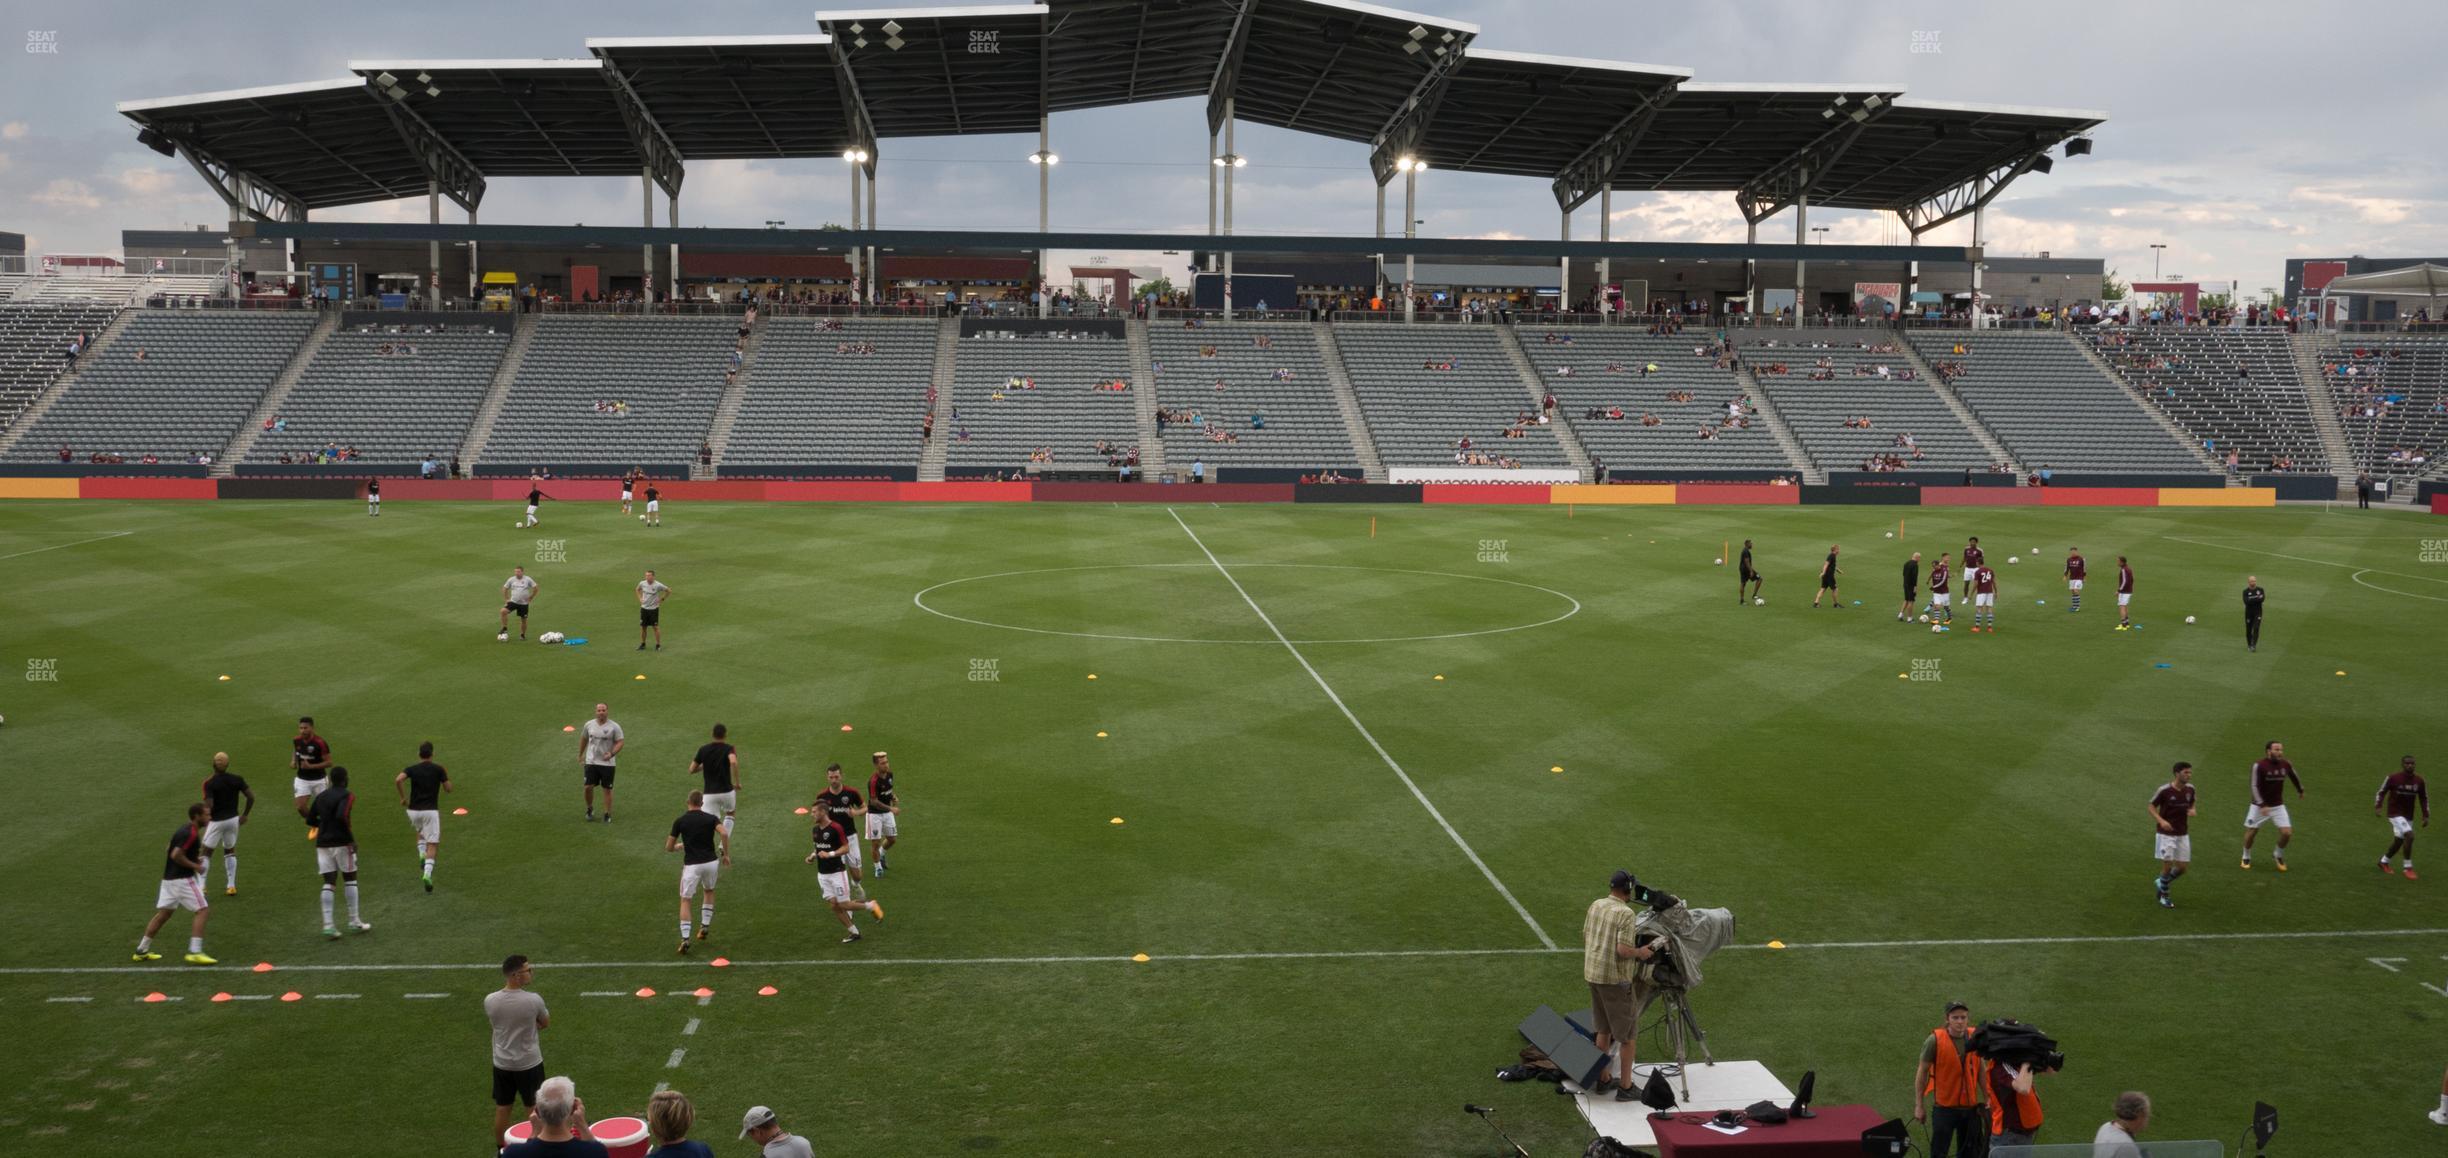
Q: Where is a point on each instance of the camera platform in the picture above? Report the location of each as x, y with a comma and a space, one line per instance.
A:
1726, 1085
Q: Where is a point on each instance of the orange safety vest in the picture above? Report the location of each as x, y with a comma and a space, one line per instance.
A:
1955, 1076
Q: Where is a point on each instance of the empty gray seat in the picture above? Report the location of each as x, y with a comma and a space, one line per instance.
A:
668, 370
199, 376
1417, 415
391, 408
815, 396
1285, 382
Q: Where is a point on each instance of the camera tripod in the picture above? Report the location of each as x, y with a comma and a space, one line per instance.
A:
1682, 1028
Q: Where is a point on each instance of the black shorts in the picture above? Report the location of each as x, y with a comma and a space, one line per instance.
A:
1827, 582
1910, 591
599, 775
1747, 577
520, 1084
650, 616
519, 608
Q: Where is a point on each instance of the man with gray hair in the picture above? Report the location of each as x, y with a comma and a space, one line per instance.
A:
559, 1125
772, 1140
2116, 1137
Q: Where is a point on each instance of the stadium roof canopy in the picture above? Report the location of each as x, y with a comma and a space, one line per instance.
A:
1405, 84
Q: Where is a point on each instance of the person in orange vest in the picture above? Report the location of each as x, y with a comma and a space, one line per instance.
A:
1952, 1076
2014, 1106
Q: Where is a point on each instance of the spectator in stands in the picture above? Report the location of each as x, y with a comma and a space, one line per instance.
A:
67, 455
559, 1125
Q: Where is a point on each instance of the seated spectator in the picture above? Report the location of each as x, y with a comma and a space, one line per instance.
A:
558, 1125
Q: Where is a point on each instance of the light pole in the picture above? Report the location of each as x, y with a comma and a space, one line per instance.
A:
1821, 230
1411, 168
2156, 249
1045, 160
855, 157
1225, 163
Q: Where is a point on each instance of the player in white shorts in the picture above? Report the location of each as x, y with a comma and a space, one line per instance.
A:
883, 812
833, 875
704, 849
628, 488
2270, 776
182, 887
222, 792
718, 762
420, 787
374, 497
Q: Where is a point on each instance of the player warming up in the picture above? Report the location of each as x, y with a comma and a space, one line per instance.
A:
1984, 599
704, 848
1744, 578
629, 483
848, 810
654, 506
1912, 587
2399, 797
2270, 776
222, 791
535, 498
421, 786
1828, 572
883, 811
374, 497
336, 851
651, 593
833, 877
2172, 809
1942, 602
310, 761
2074, 578
599, 746
518, 595
718, 762
2124, 594
182, 887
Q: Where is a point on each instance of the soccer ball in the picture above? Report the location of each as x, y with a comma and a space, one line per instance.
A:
501, 637
1925, 619
641, 518
1891, 534
1936, 628
2014, 558
1757, 600
517, 526
1719, 563
2188, 619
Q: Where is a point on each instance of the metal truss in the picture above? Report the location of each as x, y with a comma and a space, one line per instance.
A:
248, 197
442, 161
1948, 202
1404, 130
662, 160
1595, 169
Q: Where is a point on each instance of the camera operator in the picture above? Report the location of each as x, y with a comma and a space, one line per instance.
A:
1610, 962
1950, 1075
2014, 1105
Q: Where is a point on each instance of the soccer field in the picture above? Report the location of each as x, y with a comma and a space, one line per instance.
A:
1350, 878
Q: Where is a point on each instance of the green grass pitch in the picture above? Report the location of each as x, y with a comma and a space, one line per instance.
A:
1328, 967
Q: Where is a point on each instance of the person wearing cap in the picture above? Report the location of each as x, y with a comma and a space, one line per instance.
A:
1950, 1075
1610, 963
759, 1127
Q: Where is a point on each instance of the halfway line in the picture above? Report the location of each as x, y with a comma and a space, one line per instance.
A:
1405, 777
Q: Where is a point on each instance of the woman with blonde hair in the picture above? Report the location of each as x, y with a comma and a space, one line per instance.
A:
668, 1118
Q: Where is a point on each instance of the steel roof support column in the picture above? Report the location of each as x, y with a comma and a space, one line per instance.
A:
1410, 230
433, 249
1380, 292
1045, 185
1230, 160
1211, 201
875, 256
857, 263
646, 287
674, 255
1801, 235
1912, 274
1750, 274
475, 291
1606, 266
1980, 204
1564, 272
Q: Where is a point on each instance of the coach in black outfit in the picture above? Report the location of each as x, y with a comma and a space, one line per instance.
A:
2254, 597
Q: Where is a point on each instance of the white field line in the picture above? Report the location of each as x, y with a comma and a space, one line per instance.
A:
1405, 777
64, 546
424, 996
2357, 577
1288, 955
2300, 559
674, 1062
690, 1029
336, 996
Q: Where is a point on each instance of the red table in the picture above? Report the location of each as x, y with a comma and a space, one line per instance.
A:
1835, 1133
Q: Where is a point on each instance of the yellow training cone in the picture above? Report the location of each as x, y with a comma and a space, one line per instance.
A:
1557, 768
1101, 735
1116, 820
1440, 679
641, 675
1776, 944
2341, 673
224, 679
1139, 957
1091, 675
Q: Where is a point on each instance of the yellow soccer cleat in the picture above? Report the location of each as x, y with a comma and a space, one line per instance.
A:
199, 959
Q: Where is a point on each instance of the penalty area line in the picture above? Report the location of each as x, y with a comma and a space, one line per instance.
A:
1365, 734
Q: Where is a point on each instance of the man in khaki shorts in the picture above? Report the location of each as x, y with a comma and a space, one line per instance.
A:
1610, 962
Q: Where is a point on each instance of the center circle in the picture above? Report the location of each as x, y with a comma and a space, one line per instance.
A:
1371, 587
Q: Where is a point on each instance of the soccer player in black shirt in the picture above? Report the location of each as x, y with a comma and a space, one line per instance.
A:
182, 887
535, 497
222, 791
420, 787
848, 810
1746, 577
883, 811
374, 497
1827, 579
309, 759
2254, 597
654, 506
1912, 587
832, 844
336, 850
704, 849
718, 762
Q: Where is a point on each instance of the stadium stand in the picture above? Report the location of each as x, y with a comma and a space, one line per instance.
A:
33, 344
10, 283
173, 383
1610, 372
413, 401
665, 374
2053, 408
1417, 415
2231, 389
116, 291
1285, 383
850, 391
1063, 415
1817, 402
2392, 395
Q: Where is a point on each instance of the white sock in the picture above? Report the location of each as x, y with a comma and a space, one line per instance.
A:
854, 930
2444, 1103
705, 914
144, 944
685, 928
195, 944
429, 866
352, 901
327, 899
229, 867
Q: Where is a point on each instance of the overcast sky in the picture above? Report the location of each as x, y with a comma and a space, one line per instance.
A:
2239, 134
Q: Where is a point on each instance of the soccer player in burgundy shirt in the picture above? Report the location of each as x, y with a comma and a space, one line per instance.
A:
1942, 604
1984, 600
2171, 808
2124, 595
849, 810
883, 811
310, 759
2270, 776
1972, 557
2074, 577
2399, 796
182, 887
833, 877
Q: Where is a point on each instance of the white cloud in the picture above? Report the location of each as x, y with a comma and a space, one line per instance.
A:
13, 131
2372, 210
154, 183
66, 194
